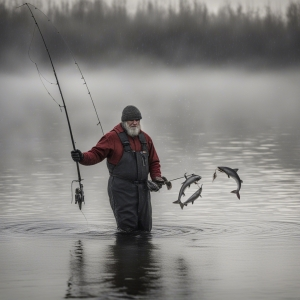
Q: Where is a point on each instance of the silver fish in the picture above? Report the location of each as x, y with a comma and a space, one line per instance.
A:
231, 173
189, 180
193, 197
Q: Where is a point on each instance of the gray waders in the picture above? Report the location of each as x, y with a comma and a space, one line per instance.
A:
127, 188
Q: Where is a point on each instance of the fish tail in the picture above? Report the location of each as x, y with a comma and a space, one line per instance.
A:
237, 193
177, 202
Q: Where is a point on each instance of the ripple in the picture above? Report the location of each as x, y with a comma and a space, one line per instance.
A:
165, 231
265, 229
35, 228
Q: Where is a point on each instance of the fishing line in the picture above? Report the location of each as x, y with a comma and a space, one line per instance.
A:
181, 177
75, 62
39, 73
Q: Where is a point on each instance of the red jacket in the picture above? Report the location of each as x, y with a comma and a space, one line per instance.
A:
110, 147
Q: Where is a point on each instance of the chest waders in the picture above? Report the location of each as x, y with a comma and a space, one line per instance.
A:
127, 187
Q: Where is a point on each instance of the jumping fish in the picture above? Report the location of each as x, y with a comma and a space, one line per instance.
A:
189, 180
193, 197
231, 173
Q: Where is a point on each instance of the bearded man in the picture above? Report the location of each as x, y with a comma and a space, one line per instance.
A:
131, 156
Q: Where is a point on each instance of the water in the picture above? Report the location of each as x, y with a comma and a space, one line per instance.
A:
218, 248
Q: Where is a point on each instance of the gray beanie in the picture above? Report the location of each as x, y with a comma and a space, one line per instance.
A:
130, 113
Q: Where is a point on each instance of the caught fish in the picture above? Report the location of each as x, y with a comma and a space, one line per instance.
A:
231, 173
189, 180
195, 196
79, 197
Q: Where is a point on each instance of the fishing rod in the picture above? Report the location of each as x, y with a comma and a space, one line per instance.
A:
79, 193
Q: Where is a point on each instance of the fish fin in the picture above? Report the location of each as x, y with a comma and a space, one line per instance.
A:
241, 181
215, 175
181, 205
192, 202
237, 193
228, 176
185, 204
177, 202
235, 170
200, 196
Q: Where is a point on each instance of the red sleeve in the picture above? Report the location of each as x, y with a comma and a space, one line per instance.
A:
110, 147
154, 163
98, 153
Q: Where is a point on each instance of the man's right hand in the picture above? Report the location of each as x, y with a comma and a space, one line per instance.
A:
77, 155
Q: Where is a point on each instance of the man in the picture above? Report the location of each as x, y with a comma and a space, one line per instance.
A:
131, 156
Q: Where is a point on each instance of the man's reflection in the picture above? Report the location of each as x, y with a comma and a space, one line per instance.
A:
132, 263
77, 268
129, 267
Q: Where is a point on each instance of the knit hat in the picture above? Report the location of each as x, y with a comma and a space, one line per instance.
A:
130, 113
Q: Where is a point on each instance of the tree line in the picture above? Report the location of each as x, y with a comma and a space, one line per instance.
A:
188, 34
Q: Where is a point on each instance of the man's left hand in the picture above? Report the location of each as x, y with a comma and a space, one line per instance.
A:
160, 181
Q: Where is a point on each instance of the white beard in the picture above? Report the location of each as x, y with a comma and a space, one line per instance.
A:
132, 131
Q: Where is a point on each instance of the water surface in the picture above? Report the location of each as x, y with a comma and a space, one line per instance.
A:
218, 248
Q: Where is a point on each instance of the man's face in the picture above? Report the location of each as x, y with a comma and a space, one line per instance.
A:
133, 127
133, 123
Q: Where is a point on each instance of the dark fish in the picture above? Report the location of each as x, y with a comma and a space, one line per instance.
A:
231, 173
79, 197
193, 197
189, 180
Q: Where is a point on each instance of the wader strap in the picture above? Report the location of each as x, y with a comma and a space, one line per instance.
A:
126, 144
143, 141
124, 141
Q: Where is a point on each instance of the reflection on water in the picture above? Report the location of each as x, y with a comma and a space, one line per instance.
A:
130, 269
131, 266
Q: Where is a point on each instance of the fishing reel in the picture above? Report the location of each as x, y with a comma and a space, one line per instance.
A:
79, 196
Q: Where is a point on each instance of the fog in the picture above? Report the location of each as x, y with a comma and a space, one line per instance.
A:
179, 102
189, 69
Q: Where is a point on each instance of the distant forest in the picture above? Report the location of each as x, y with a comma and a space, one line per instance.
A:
188, 34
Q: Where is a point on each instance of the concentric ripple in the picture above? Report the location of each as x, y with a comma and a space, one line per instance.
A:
93, 231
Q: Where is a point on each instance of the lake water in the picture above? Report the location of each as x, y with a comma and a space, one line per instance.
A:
218, 248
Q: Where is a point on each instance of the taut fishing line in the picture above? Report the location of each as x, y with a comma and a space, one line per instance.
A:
77, 65
39, 73
79, 193
73, 58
